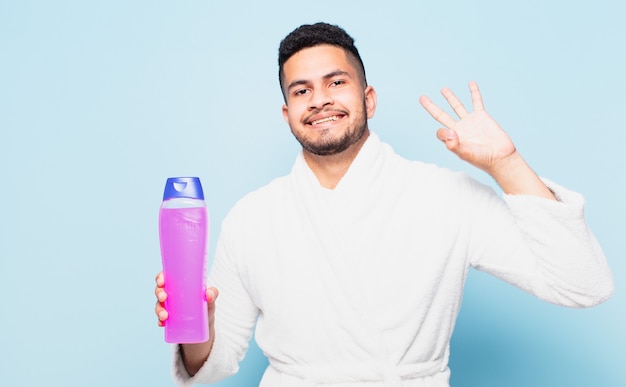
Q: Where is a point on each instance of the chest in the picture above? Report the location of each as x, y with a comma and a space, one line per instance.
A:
305, 255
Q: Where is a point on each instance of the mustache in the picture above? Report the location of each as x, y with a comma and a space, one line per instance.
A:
309, 117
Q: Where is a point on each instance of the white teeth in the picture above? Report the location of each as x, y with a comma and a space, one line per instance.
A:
323, 120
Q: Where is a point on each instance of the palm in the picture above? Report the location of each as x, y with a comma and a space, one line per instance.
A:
476, 137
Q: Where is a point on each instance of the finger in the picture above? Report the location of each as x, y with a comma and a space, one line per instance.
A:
160, 280
436, 112
161, 312
160, 294
477, 99
455, 103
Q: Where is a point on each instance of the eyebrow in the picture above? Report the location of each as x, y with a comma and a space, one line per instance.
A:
332, 74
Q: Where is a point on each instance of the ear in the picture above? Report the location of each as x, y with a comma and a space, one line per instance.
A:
286, 113
370, 101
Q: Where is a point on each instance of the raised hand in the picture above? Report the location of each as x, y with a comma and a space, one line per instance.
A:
476, 137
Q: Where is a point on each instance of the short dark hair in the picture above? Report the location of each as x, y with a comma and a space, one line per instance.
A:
311, 35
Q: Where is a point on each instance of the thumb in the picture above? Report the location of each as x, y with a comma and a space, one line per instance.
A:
449, 137
212, 294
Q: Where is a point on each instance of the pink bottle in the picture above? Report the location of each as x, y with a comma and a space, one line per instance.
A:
183, 233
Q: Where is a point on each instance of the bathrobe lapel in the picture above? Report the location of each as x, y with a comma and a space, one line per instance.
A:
334, 219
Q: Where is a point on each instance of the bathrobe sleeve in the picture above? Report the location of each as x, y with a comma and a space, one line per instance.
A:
235, 316
543, 247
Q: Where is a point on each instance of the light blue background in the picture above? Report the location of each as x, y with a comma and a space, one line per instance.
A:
101, 101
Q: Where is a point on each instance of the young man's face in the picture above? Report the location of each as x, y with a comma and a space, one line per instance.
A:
327, 105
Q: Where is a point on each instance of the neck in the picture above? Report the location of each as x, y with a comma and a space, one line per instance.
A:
329, 170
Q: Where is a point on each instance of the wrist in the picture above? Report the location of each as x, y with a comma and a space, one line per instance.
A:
508, 166
516, 177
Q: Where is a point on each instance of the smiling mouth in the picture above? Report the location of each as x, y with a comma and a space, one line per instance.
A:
325, 120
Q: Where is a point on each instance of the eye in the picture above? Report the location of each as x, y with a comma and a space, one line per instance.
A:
301, 92
337, 83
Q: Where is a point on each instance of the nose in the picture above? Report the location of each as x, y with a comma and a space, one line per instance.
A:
319, 99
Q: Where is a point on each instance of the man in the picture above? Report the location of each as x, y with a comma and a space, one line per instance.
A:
352, 266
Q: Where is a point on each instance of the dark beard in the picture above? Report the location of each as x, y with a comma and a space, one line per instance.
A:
333, 146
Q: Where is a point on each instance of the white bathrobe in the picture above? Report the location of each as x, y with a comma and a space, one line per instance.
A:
361, 285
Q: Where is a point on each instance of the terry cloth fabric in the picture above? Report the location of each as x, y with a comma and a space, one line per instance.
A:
361, 285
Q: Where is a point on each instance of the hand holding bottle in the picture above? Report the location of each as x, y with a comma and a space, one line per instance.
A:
161, 295
194, 355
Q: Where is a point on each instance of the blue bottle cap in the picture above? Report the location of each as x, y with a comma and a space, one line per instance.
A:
183, 187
